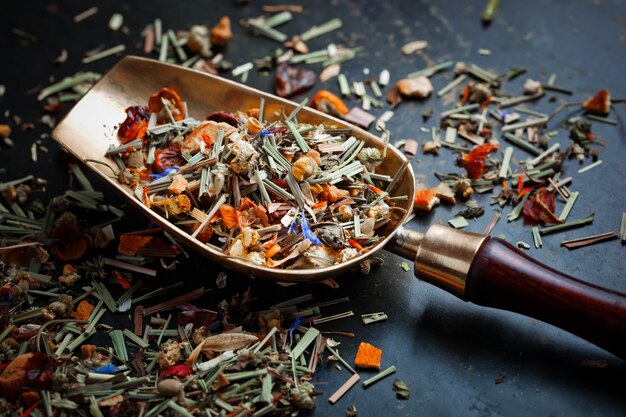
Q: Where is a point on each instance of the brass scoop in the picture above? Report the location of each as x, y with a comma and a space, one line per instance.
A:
474, 267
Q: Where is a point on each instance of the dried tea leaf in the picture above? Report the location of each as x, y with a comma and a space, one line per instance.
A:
401, 389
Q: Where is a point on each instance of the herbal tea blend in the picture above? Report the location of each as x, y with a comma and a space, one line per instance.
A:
282, 195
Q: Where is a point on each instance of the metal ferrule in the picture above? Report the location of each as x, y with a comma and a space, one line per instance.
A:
443, 256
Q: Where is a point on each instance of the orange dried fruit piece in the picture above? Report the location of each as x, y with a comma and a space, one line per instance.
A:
83, 311
171, 98
222, 33
206, 132
329, 103
598, 104
130, 244
303, 168
425, 200
13, 377
229, 216
368, 356
474, 160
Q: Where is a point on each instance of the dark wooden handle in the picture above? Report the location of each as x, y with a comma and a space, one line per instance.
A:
503, 277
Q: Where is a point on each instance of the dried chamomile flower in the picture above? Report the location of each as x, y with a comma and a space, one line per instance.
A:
370, 158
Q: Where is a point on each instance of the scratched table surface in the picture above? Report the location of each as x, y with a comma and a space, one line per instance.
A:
448, 352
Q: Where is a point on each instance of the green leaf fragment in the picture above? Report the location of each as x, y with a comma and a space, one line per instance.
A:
401, 389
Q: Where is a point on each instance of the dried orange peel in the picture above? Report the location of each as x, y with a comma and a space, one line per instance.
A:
425, 200
155, 103
329, 103
368, 356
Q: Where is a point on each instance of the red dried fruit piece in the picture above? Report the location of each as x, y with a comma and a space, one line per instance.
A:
599, 104
540, 207
71, 243
181, 371
167, 158
329, 103
155, 103
291, 81
393, 97
222, 116
474, 161
135, 125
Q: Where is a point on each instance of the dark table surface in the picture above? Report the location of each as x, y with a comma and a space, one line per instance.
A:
448, 352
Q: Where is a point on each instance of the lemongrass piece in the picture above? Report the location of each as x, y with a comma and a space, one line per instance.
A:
304, 342
68, 82
322, 29
523, 125
537, 237
379, 376
340, 359
522, 144
451, 85
430, 71
344, 87
506, 161
568, 205
517, 210
568, 225
590, 166
104, 54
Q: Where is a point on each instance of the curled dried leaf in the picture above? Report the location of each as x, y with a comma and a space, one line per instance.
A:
227, 341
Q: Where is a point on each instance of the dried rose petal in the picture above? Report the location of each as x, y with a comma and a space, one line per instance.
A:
135, 125
291, 81
222, 116
71, 244
181, 371
540, 207
167, 158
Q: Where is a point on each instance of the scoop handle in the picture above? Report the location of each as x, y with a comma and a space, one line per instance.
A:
503, 277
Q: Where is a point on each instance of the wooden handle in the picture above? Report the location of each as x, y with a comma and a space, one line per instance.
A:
503, 277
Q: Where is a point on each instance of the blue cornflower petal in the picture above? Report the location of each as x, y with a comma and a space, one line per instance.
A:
165, 173
307, 233
107, 369
294, 326
264, 132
